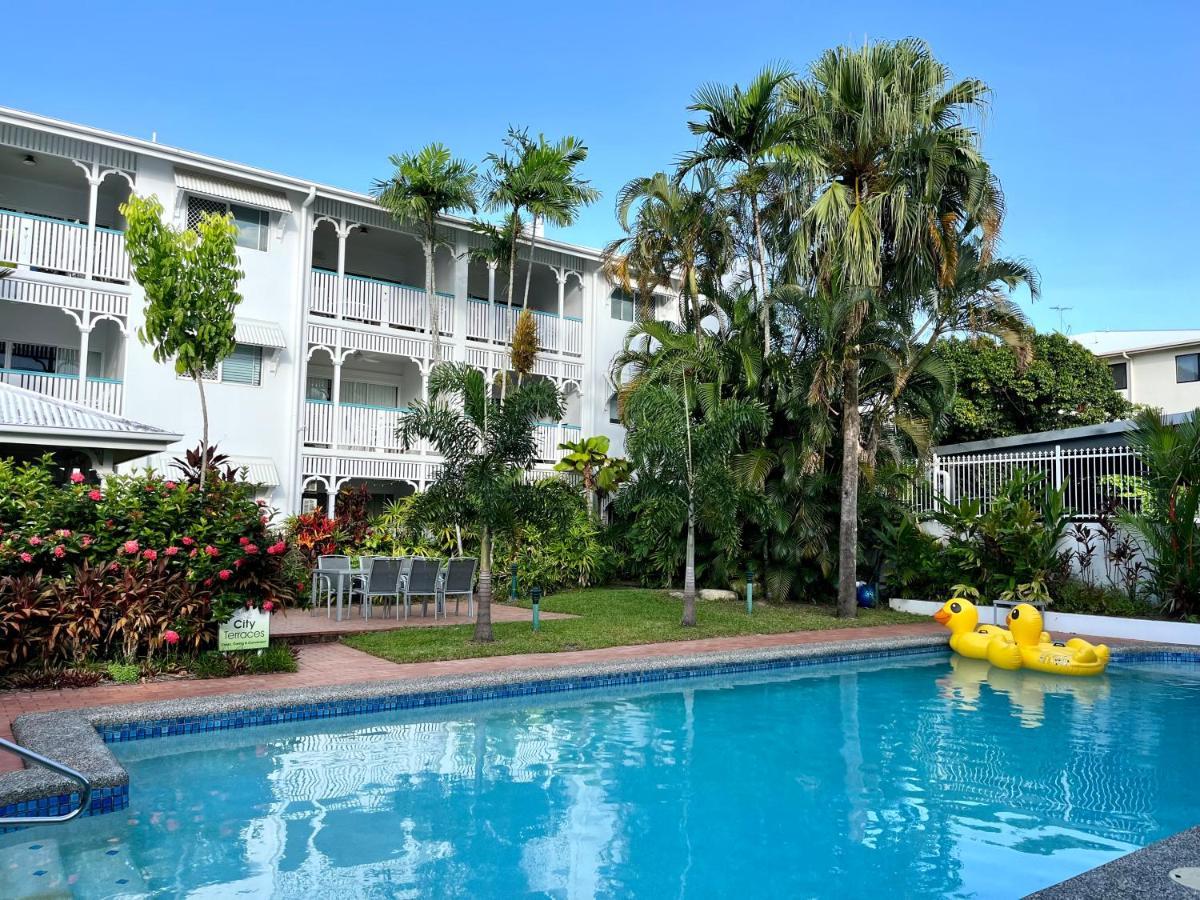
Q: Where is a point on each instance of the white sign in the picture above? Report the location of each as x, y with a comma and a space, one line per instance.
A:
247, 629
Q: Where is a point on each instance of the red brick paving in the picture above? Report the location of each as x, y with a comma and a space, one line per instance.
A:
332, 664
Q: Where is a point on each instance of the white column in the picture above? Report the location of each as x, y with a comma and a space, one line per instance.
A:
336, 399
491, 302
85, 334
461, 292
343, 232
94, 177
330, 497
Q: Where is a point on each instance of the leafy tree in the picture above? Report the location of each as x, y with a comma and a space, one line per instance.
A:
190, 279
486, 446
1003, 391
423, 186
589, 459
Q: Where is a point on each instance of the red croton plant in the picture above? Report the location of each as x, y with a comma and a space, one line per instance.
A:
121, 570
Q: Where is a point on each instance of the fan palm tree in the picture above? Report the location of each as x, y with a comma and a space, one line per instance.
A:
889, 146
745, 131
486, 446
423, 186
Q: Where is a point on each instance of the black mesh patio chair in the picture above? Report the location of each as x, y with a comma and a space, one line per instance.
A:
458, 581
422, 581
383, 581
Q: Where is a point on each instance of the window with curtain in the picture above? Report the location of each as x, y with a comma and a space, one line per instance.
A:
614, 410
243, 366
319, 389
1187, 368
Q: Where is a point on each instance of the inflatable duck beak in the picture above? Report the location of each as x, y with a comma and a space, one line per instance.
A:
941, 617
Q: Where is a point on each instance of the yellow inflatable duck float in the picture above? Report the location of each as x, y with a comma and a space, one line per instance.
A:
967, 637
1026, 646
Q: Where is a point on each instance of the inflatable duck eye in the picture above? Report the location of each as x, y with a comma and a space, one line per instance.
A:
1016, 614
955, 607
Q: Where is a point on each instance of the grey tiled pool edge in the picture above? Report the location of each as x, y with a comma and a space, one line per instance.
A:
79, 737
1141, 874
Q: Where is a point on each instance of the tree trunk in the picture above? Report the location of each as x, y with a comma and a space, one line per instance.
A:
435, 325
762, 270
848, 533
483, 609
529, 268
203, 431
512, 274
689, 570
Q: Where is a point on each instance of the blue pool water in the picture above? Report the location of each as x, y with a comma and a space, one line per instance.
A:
913, 776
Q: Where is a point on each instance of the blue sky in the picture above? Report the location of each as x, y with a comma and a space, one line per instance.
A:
1094, 128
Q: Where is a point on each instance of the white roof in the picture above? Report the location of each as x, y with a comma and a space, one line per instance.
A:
260, 333
21, 409
1106, 343
233, 191
257, 469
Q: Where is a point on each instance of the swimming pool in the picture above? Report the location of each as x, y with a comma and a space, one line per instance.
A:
912, 776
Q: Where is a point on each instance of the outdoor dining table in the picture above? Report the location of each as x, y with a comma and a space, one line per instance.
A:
343, 576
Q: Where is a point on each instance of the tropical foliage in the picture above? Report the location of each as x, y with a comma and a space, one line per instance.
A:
1002, 390
190, 279
115, 568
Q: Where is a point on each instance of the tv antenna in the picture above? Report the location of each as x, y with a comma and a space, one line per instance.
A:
1061, 310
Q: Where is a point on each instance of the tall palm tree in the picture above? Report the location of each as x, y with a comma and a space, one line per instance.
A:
558, 192
486, 446
423, 186
890, 148
679, 235
745, 131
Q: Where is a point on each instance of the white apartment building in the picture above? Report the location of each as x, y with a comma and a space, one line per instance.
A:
332, 335
1151, 368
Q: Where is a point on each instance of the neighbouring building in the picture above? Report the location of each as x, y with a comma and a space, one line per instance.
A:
332, 336
1151, 368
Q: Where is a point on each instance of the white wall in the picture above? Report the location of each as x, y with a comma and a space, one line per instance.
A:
1152, 380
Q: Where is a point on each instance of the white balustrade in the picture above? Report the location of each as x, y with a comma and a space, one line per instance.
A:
103, 394
554, 334
61, 247
377, 302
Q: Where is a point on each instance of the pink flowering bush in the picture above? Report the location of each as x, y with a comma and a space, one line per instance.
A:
53, 527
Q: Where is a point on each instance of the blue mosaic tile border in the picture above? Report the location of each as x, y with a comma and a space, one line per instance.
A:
1180, 657
137, 731
103, 800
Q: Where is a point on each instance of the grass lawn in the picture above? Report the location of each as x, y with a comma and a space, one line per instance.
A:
611, 617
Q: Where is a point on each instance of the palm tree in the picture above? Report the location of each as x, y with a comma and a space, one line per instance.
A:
678, 236
589, 459
896, 168
558, 192
423, 186
486, 446
746, 130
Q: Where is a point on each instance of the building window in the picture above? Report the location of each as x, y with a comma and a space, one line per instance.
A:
1120, 375
1187, 368
251, 223
34, 358
319, 389
242, 366
621, 305
614, 410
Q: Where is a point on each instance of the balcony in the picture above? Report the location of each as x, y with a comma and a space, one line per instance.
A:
488, 322
60, 247
372, 429
373, 301
104, 394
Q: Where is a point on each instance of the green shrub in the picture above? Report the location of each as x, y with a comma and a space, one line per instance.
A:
279, 657
1076, 596
123, 673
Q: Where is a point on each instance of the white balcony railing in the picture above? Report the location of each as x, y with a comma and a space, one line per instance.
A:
56, 246
377, 302
372, 429
104, 394
557, 335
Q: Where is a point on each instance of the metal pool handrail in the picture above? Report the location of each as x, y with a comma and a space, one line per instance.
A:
84, 794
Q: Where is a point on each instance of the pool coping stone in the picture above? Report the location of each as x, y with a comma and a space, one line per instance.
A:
1144, 874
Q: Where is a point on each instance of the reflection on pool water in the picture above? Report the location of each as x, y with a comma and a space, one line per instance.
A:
904, 777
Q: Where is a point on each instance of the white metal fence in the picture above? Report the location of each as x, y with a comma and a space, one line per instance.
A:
1094, 477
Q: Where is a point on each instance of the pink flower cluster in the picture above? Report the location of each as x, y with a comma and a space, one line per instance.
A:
277, 548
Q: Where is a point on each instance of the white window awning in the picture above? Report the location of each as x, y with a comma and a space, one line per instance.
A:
256, 469
260, 333
231, 191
